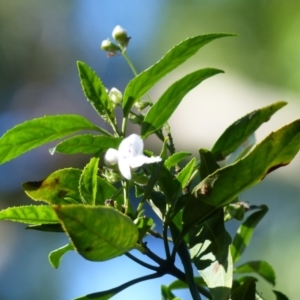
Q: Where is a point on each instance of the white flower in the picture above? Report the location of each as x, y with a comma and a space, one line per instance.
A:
115, 96
129, 155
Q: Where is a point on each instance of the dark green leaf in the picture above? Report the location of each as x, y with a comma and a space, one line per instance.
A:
86, 144
178, 284
175, 159
245, 232
261, 268
208, 164
245, 291
185, 174
31, 214
166, 293
280, 296
95, 92
162, 110
56, 255
98, 233
34, 133
240, 130
88, 181
60, 187
47, 227
98, 296
141, 84
275, 151
209, 248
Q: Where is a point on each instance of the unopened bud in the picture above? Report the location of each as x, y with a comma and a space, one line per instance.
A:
110, 47
115, 96
141, 104
120, 35
136, 119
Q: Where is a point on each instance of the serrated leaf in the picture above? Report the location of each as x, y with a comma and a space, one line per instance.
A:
95, 92
185, 174
162, 110
176, 158
240, 130
275, 151
60, 187
56, 255
88, 181
34, 133
280, 296
98, 233
31, 214
261, 268
141, 84
245, 232
86, 144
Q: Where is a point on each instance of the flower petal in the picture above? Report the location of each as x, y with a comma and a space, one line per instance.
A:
124, 168
111, 157
132, 146
140, 160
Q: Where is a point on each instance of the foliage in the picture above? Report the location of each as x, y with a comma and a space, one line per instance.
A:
94, 207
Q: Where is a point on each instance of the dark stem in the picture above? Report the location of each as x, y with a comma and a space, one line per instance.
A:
142, 263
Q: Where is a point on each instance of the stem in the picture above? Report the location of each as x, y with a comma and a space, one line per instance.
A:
130, 63
166, 244
125, 193
142, 263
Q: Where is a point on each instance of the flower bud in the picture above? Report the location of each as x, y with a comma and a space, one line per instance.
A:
141, 104
115, 96
120, 35
110, 47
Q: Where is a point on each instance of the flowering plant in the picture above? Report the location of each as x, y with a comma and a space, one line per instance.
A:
191, 198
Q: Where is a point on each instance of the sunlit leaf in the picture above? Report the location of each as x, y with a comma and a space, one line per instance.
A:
31, 214
185, 174
141, 84
60, 187
88, 181
166, 293
34, 133
86, 144
95, 92
240, 130
56, 255
245, 232
176, 158
98, 233
162, 110
261, 268
275, 151
209, 248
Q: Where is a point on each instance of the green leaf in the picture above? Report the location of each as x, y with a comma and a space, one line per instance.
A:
245, 232
209, 248
88, 181
166, 293
47, 227
98, 233
245, 291
276, 150
162, 110
56, 255
176, 158
143, 224
280, 296
261, 268
60, 187
208, 164
31, 214
178, 284
142, 83
86, 144
95, 92
34, 133
240, 130
185, 174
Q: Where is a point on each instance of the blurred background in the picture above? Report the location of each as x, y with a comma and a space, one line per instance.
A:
40, 42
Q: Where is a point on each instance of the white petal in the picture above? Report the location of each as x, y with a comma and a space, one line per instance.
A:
111, 157
125, 168
140, 160
132, 146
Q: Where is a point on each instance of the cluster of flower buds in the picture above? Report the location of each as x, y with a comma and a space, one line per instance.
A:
115, 96
121, 37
